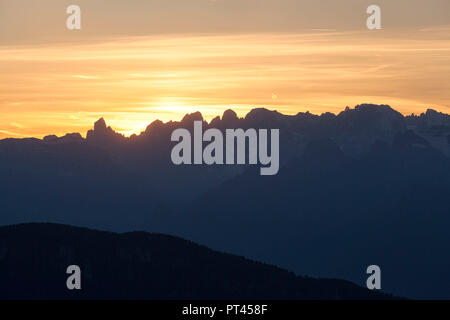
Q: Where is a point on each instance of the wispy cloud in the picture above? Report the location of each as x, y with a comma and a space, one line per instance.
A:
80, 76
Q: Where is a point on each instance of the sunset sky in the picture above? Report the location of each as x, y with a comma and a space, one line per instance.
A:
136, 61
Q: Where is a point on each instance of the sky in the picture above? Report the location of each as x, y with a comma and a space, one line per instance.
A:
136, 61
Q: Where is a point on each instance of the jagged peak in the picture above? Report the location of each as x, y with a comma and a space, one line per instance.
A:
306, 115
215, 121
229, 115
102, 132
191, 117
68, 137
261, 113
373, 108
382, 110
50, 138
154, 125
100, 124
433, 113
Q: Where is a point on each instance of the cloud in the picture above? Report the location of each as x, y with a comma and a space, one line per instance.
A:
80, 76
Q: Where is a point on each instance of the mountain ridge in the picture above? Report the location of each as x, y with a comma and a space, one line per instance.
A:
363, 187
142, 265
229, 116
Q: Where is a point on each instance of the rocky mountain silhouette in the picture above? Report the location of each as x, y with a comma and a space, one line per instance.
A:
365, 186
140, 265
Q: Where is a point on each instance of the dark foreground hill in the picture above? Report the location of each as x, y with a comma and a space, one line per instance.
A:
34, 258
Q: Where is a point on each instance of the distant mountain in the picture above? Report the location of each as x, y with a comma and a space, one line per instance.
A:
326, 213
139, 265
365, 186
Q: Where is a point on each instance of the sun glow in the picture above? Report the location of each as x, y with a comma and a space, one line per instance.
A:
58, 88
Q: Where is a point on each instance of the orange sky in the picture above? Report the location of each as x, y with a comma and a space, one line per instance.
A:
56, 87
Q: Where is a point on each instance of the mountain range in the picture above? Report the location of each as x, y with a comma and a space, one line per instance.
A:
365, 186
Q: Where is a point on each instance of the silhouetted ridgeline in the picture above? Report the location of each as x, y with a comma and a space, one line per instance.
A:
139, 265
366, 186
